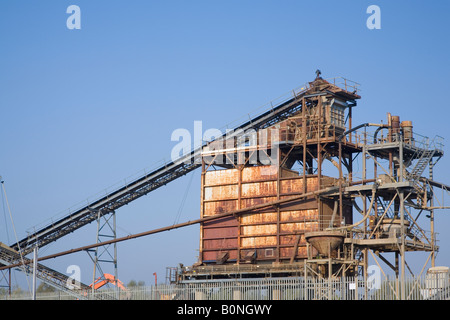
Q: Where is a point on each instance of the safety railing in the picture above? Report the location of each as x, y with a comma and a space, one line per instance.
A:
375, 287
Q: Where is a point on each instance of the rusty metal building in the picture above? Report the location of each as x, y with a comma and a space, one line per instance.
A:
285, 195
282, 195
252, 172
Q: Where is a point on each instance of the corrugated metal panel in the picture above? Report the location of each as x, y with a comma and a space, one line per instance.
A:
221, 177
220, 243
253, 242
298, 226
263, 229
296, 215
295, 185
246, 203
216, 207
259, 173
213, 255
221, 222
221, 192
259, 231
303, 204
287, 252
252, 218
219, 233
259, 189
292, 239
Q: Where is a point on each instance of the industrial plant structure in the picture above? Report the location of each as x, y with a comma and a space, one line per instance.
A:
294, 216
281, 196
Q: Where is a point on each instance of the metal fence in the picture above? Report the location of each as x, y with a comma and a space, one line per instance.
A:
434, 287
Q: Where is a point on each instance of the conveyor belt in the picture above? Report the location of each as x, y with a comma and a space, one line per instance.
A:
148, 182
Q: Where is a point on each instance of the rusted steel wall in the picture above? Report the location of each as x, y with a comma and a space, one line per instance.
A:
271, 234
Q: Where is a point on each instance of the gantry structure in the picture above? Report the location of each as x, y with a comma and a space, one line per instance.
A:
280, 195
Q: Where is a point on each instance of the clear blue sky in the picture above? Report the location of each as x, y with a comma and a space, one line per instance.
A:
83, 109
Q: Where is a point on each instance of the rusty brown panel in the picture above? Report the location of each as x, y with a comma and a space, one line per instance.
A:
299, 215
217, 207
225, 192
221, 222
327, 211
221, 244
258, 189
302, 204
311, 226
213, 255
262, 229
298, 227
347, 212
221, 177
259, 173
220, 233
295, 185
264, 217
247, 203
327, 207
291, 186
291, 239
287, 173
287, 252
292, 227
253, 242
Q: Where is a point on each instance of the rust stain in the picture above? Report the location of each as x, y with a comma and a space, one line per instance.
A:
259, 229
219, 233
258, 241
218, 207
268, 188
221, 177
253, 218
221, 192
246, 203
296, 215
258, 173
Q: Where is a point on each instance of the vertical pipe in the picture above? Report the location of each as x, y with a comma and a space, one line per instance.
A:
364, 175
202, 209
279, 161
239, 206
397, 274
433, 255
366, 262
305, 293
9, 283
401, 162
350, 122
340, 181
304, 142
35, 256
402, 247
319, 178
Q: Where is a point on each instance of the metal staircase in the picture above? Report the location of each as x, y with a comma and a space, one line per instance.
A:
414, 231
425, 156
